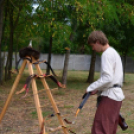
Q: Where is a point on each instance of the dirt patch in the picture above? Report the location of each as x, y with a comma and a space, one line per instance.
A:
21, 116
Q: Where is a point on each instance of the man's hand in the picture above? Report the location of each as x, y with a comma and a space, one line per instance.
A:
94, 92
91, 93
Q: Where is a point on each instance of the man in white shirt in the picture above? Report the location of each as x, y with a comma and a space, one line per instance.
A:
108, 85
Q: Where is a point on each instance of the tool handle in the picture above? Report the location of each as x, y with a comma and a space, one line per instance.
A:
85, 98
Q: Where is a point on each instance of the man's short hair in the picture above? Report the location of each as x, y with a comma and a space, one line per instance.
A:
97, 36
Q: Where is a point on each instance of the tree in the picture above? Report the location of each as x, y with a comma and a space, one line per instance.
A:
65, 70
121, 34
117, 23
57, 24
12, 25
14, 10
92, 68
1, 32
56, 27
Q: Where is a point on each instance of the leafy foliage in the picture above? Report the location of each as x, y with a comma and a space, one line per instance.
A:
70, 22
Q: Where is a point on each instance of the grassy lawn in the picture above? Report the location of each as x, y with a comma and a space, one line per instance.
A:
21, 116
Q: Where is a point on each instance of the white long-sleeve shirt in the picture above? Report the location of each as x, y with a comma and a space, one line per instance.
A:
111, 73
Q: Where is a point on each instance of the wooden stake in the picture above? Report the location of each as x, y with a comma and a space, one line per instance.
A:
51, 99
13, 90
36, 97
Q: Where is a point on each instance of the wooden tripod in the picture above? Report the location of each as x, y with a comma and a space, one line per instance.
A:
35, 93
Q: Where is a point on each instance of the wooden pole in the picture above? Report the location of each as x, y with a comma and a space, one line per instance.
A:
36, 97
13, 90
51, 99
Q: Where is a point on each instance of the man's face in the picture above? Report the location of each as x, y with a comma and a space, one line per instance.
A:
96, 47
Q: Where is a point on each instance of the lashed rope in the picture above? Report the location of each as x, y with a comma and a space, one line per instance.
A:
29, 78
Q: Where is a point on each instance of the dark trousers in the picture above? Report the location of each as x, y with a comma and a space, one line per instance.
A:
106, 117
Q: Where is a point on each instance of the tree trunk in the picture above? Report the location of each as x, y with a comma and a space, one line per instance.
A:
1, 2
92, 68
16, 49
1, 32
49, 54
72, 35
1, 21
66, 62
13, 25
50, 47
10, 50
124, 60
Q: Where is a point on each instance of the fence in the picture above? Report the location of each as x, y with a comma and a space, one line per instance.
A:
77, 62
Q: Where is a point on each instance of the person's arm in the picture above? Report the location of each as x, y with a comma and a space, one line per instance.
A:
106, 75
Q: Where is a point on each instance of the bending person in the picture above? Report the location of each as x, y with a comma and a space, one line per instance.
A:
108, 86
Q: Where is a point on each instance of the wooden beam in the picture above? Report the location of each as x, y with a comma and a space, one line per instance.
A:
51, 99
13, 90
36, 97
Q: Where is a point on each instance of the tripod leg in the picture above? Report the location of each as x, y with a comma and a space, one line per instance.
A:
51, 99
12, 90
36, 97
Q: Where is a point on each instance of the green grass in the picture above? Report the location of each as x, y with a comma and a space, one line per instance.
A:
46, 113
68, 106
34, 114
59, 92
75, 80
